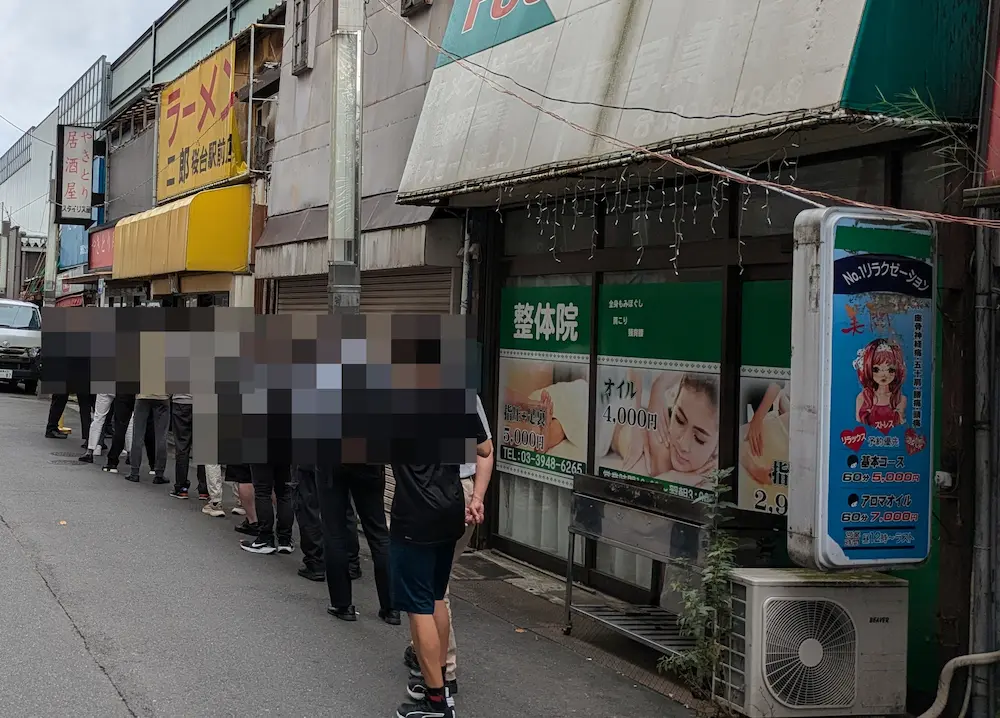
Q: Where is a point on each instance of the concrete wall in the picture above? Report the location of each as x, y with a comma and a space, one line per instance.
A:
396, 74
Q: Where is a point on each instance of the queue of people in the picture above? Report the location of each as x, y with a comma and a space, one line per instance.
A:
434, 513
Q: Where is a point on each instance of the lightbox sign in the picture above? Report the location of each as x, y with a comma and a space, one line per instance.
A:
863, 347
74, 175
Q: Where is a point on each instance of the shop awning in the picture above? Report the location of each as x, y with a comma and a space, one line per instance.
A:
206, 232
675, 77
89, 278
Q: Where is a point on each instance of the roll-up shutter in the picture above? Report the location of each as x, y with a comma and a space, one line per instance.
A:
303, 294
427, 290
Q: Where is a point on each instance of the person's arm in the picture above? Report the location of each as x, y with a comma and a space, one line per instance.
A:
484, 468
755, 428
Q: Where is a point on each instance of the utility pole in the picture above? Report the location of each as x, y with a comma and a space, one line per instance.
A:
344, 232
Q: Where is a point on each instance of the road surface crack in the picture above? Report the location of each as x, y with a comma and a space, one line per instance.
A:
72, 621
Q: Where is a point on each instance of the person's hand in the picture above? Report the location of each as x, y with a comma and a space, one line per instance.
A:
468, 516
475, 512
755, 436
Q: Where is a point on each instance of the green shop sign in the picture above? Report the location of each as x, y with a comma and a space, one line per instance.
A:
677, 321
477, 25
546, 319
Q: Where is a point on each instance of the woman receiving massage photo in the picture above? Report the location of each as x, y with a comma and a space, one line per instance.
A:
684, 447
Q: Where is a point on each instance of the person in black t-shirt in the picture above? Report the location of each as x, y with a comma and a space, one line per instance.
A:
429, 516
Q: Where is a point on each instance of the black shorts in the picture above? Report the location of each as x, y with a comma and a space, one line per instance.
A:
420, 574
238, 473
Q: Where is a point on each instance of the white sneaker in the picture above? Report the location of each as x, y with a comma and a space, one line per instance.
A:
213, 510
238, 511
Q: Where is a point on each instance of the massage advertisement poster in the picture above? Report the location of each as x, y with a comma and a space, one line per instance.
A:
882, 379
763, 468
544, 382
657, 407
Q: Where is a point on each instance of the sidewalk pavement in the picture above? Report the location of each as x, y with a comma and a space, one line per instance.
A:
500, 603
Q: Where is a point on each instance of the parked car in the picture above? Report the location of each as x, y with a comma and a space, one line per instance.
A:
20, 344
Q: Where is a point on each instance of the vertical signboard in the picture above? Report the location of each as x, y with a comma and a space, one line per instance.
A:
658, 386
863, 338
544, 382
74, 175
197, 138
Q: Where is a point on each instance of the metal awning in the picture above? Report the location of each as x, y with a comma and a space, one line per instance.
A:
377, 213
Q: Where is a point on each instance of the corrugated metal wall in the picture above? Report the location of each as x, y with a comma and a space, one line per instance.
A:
130, 169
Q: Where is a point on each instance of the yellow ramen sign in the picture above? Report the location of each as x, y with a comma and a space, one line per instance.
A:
198, 143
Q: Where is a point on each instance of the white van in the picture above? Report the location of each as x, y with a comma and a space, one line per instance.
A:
20, 344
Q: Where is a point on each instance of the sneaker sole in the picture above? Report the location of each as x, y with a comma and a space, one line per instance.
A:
106, 470
178, 496
264, 550
286, 551
414, 694
215, 514
238, 512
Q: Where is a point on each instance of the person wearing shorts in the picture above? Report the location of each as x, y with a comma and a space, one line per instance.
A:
239, 474
429, 516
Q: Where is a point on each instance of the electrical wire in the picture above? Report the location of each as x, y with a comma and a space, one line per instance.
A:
704, 167
26, 132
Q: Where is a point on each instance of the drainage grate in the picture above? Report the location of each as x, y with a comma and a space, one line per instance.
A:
66, 462
67, 454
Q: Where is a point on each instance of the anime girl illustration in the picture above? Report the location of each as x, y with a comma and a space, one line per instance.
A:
881, 372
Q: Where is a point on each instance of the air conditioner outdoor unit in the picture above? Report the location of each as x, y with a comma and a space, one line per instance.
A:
805, 643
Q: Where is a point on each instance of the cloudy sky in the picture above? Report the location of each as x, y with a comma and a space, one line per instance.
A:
51, 43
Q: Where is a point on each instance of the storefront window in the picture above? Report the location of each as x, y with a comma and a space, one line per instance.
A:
664, 215
544, 394
549, 227
769, 213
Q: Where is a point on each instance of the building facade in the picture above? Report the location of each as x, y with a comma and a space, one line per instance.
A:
409, 255
619, 264
26, 173
189, 155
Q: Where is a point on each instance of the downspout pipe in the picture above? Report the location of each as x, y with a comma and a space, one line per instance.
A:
466, 250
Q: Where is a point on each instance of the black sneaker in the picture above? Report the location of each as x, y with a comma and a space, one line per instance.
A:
417, 688
159, 480
411, 662
203, 495
258, 546
110, 468
250, 529
390, 616
179, 493
54, 435
134, 478
87, 458
344, 613
425, 709
285, 546
312, 575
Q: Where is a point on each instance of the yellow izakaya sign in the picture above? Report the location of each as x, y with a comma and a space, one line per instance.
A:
198, 141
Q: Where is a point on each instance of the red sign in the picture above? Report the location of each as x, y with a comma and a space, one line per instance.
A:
74, 301
993, 134
102, 250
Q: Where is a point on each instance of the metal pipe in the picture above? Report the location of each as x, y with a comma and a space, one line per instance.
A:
983, 585
346, 110
981, 588
944, 682
253, 47
464, 306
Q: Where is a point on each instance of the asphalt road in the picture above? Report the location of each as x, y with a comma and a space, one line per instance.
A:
120, 601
